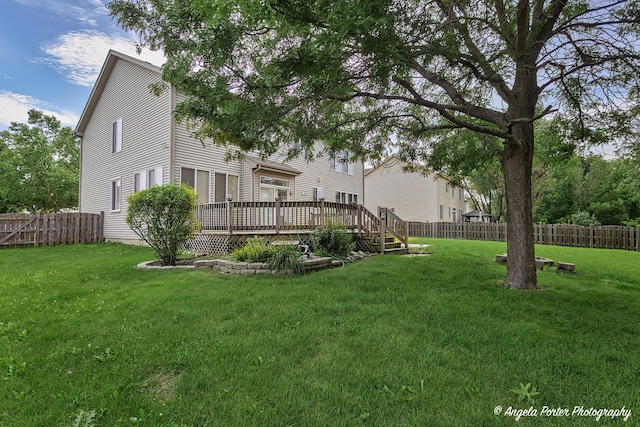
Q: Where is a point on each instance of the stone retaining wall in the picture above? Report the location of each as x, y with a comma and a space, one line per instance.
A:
247, 268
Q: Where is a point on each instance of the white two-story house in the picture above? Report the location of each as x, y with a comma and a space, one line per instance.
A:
129, 142
413, 196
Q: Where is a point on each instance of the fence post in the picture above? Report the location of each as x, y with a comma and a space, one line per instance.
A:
101, 227
322, 212
406, 234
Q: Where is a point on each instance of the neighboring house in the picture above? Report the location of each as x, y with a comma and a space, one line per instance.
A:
412, 196
129, 142
476, 216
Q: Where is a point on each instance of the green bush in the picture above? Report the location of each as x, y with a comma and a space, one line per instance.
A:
332, 239
287, 257
584, 218
632, 223
165, 218
255, 250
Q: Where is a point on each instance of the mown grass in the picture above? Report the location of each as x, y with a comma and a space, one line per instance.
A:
388, 341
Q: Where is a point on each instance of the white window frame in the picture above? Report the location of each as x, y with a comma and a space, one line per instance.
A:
337, 165
140, 181
234, 197
115, 190
154, 177
317, 193
197, 183
441, 212
116, 137
346, 197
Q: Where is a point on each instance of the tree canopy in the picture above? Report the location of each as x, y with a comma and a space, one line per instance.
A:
358, 75
39, 165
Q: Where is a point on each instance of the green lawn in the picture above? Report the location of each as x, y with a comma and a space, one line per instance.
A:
388, 341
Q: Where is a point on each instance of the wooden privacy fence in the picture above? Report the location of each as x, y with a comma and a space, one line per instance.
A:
604, 236
50, 229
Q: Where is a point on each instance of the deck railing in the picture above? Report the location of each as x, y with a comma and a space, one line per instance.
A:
277, 217
394, 225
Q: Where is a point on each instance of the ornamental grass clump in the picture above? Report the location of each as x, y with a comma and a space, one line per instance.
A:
165, 218
287, 257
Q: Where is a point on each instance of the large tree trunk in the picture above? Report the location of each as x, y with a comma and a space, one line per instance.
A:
516, 164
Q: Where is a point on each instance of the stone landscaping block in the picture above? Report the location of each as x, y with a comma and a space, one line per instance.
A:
566, 267
238, 265
207, 263
248, 271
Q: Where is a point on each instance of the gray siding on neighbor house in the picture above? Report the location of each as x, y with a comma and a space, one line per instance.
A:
145, 142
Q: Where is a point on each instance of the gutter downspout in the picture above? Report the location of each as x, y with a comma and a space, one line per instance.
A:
172, 136
253, 190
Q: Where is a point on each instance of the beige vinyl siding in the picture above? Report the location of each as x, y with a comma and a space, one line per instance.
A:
190, 153
318, 174
145, 142
414, 197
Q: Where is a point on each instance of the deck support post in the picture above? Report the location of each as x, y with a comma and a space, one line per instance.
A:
229, 216
277, 216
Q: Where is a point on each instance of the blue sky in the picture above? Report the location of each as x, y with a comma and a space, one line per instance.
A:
51, 52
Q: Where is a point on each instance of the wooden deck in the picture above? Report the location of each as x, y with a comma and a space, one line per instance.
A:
297, 218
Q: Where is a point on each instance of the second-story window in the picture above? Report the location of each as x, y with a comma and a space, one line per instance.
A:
340, 164
116, 140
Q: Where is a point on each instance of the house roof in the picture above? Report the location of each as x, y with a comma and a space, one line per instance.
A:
108, 66
270, 165
391, 161
476, 213
386, 162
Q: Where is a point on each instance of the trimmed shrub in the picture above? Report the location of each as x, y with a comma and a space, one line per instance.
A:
332, 239
165, 218
255, 250
287, 257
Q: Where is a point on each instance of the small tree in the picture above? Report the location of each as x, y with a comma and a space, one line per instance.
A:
164, 217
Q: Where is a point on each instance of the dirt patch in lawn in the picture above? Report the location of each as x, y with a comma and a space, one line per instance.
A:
162, 385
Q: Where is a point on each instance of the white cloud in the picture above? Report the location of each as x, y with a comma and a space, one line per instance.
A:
85, 11
79, 55
14, 107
